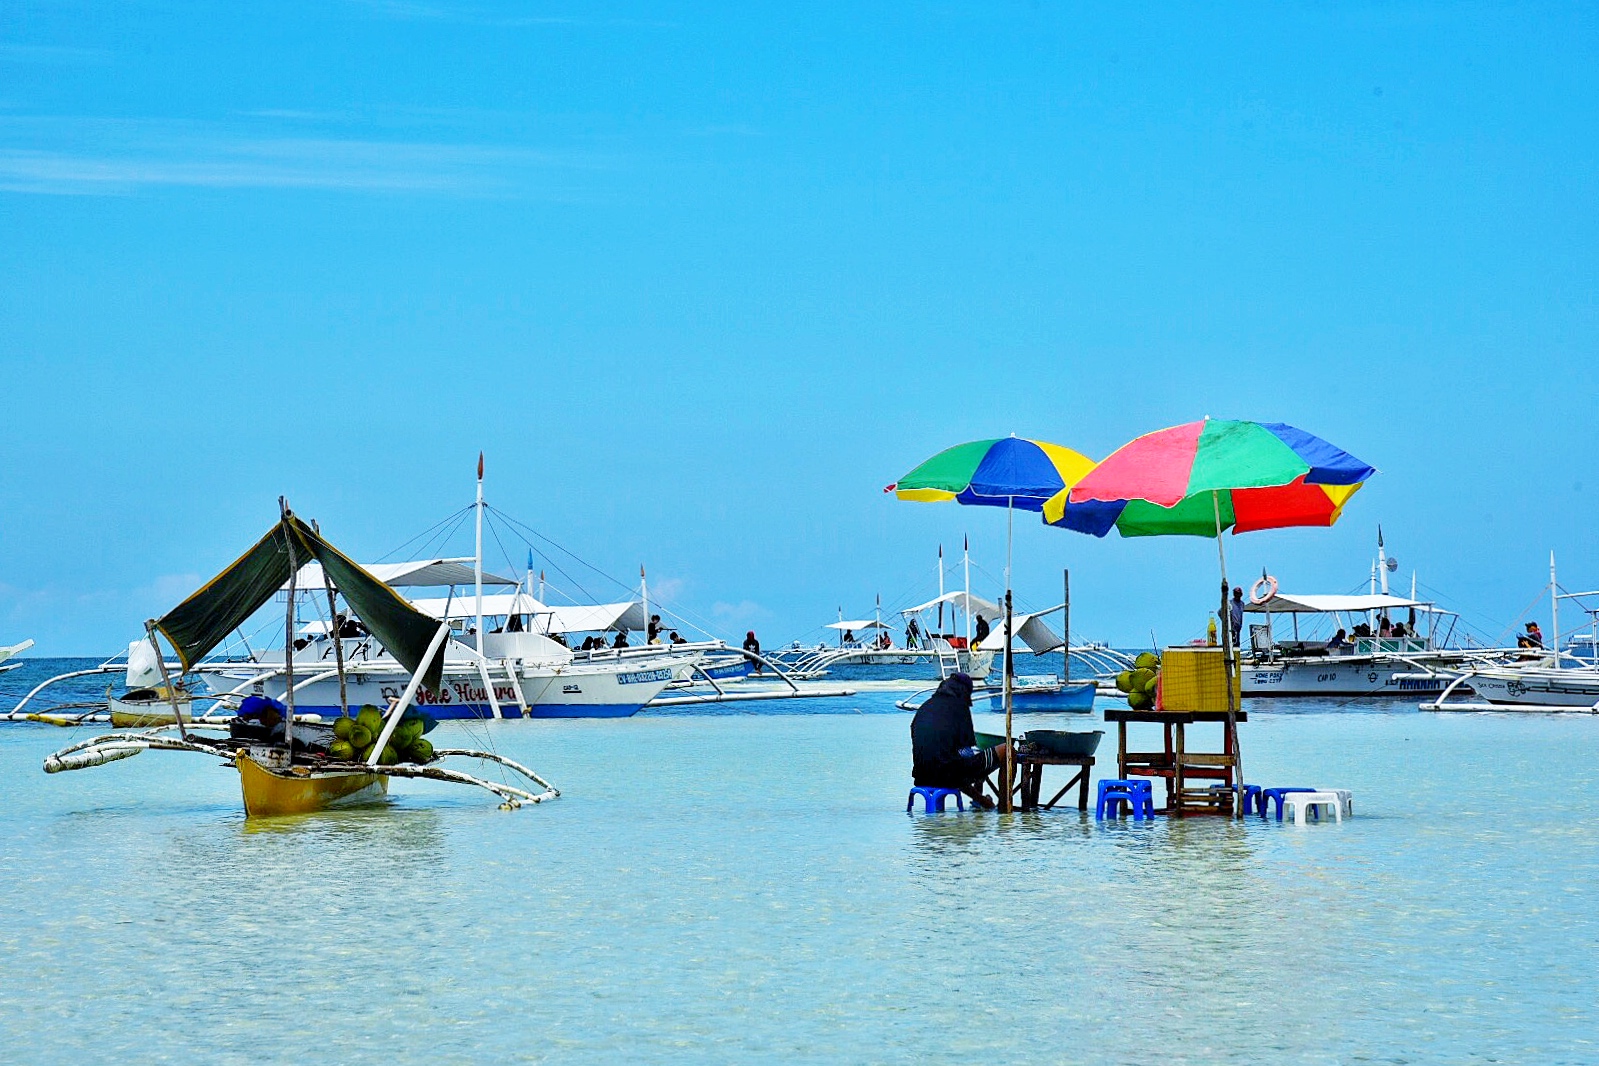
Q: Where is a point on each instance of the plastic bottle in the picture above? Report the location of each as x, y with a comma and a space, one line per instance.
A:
1210, 632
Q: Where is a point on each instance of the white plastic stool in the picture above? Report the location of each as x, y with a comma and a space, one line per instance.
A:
1299, 804
1346, 799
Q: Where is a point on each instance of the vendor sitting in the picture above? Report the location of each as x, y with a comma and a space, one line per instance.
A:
944, 745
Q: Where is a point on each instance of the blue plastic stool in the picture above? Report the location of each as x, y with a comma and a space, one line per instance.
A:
1276, 795
1140, 804
1251, 796
933, 799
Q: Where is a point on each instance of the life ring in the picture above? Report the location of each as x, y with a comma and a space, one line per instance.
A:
1266, 581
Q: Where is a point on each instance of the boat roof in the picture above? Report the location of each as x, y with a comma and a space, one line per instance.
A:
418, 573
867, 624
962, 599
1285, 603
564, 618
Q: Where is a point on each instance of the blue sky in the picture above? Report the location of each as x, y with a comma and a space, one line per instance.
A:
701, 279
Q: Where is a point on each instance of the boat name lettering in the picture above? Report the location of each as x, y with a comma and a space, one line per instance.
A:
644, 677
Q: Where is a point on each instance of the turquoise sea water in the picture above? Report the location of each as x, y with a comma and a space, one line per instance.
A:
738, 887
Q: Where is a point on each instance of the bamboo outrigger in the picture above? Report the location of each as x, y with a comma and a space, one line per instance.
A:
288, 771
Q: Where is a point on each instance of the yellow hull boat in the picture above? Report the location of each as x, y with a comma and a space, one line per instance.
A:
268, 793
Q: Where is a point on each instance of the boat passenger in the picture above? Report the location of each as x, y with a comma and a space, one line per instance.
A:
1385, 628
620, 641
675, 638
980, 634
1533, 638
944, 751
753, 646
653, 632
913, 634
1337, 643
1400, 630
1361, 630
849, 636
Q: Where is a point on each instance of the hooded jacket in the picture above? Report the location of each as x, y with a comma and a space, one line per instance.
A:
941, 728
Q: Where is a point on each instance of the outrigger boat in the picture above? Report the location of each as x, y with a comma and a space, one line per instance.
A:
295, 765
10, 651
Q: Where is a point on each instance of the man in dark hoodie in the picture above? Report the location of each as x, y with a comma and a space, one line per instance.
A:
944, 749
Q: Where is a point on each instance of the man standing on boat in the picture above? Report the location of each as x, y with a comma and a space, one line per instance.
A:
913, 635
980, 633
753, 646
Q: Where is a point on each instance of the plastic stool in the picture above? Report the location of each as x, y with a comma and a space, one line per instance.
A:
1276, 795
933, 799
1140, 803
1251, 795
1303, 802
1346, 799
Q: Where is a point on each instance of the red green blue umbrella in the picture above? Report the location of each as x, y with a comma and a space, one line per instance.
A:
1009, 472
1203, 477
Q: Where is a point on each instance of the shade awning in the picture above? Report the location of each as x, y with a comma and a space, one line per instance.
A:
961, 599
418, 573
1291, 604
867, 624
1027, 630
563, 618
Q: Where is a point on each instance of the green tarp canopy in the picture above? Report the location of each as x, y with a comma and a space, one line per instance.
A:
202, 621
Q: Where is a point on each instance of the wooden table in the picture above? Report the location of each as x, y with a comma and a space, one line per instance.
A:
1175, 764
1030, 779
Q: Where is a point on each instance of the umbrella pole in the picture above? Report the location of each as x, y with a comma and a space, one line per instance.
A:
1226, 620
1010, 761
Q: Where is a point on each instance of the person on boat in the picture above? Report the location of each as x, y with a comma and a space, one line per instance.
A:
1236, 616
1400, 630
513, 624
1361, 630
653, 635
559, 638
913, 634
1533, 638
677, 638
753, 646
1385, 628
849, 636
944, 751
620, 641
1337, 644
980, 634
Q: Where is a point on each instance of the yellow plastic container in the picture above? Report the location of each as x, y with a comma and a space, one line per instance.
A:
1194, 679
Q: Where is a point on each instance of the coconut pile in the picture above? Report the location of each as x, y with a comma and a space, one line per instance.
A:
354, 738
1141, 682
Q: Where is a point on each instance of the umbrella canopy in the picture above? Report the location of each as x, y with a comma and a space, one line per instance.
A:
1200, 478
1007, 472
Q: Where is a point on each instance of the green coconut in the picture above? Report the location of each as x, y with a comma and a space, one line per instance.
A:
1141, 678
1153, 684
420, 751
1140, 701
344, 727
360, 737
1147, 661
371, 718
407, 731
1124, 681
389, 756
342, 750
363, 752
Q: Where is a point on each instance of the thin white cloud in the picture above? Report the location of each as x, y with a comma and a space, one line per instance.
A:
99, 157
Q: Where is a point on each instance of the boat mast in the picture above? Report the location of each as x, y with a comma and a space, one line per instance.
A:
1554, 611
338, 637
966, 564
644, 593
1066, 628
477, 562
941, 591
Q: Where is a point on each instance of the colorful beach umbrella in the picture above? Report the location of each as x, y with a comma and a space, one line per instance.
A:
1009, 472
1005, 472
1203, 477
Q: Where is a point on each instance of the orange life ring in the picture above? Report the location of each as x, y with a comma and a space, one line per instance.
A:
1270, 584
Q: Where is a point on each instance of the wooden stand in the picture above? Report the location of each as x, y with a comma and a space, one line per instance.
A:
1178, 766
1030, 779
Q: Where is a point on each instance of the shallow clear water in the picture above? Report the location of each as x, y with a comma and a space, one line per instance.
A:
746, 887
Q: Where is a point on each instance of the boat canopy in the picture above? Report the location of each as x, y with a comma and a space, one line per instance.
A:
565, 618
1026, 629
1285, 604
202, 621
419, 573
961, 599
867, 624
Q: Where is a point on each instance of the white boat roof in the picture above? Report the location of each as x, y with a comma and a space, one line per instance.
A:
966, 602
868, 624
564, 618
1283, 603
1027, 630
419, 573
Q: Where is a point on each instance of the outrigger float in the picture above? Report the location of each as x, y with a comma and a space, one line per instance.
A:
287, 764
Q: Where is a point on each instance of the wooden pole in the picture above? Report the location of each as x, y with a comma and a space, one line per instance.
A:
288, 628
338, 640
166, 679
1227, 665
